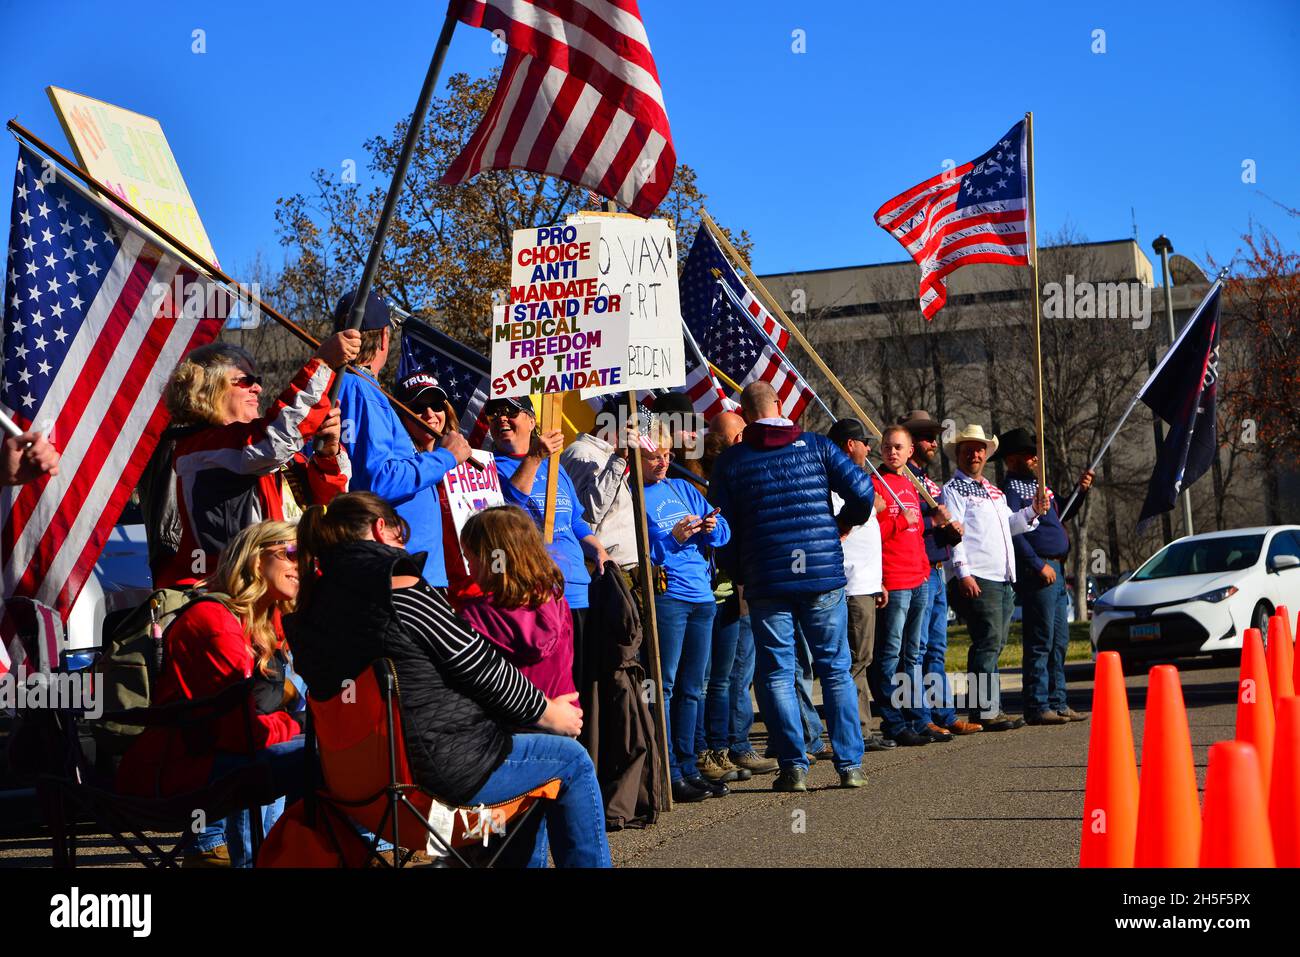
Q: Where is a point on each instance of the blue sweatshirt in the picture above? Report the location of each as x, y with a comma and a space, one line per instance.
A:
667, 502
1048, 539
384, 461
570, 526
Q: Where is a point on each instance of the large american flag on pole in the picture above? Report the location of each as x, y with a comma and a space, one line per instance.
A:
975, 213
579, 98
733, 330
461, 372
96, 316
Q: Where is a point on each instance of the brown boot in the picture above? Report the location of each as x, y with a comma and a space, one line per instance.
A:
219, 856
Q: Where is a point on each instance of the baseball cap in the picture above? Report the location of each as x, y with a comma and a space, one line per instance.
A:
846, 429
421, 388
376, 315
518, 403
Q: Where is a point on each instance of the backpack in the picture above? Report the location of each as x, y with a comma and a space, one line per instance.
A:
129, 665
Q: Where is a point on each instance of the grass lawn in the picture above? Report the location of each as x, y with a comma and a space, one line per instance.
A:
1012, 655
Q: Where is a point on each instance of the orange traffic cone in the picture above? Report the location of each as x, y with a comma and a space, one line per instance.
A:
1236, 821
1280, 656
1284, 792
1255, 719
1169, 816
1110, 798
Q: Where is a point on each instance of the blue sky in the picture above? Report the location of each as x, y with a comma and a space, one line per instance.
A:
798, 148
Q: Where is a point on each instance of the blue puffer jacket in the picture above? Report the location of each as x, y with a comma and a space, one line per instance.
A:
774, 487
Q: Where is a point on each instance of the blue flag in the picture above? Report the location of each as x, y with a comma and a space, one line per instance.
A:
461, 372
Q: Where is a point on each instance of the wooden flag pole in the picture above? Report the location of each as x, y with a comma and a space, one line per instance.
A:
552, 413
1038, 331
779, 313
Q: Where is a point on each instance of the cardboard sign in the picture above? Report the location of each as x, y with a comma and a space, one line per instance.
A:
470, 491
128, 153
558, 332
637, 261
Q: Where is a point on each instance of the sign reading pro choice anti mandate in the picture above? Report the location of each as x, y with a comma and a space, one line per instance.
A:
558, 332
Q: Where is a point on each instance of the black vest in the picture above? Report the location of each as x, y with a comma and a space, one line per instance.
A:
452, 744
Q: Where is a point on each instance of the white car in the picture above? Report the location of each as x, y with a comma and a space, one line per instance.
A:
1198, 595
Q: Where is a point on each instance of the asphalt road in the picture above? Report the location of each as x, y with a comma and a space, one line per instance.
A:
1011, 799
985, 800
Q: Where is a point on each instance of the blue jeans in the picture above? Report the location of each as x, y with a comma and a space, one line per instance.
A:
898, 655
742, 679
824, 618
712, 730
575, 820
803, 686
936, 703
989, 617
287, 761
685, 638
1046, 634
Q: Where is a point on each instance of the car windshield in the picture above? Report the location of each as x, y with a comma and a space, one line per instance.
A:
1202, 556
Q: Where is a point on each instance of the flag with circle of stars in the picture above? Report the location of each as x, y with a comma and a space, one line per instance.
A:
92, 328
975, 213
730, 334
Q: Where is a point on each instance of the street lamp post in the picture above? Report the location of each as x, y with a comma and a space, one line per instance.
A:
1164, 247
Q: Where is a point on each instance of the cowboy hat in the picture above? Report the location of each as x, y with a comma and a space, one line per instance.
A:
972, 433
1014, 441
919, 423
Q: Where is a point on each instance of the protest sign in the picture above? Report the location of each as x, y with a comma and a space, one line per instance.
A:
637, 261
128, 153
558, 333
471, 490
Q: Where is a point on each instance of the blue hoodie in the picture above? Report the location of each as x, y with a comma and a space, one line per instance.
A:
384, 461
667, 502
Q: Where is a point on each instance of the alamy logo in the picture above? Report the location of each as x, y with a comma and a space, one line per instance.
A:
75, 909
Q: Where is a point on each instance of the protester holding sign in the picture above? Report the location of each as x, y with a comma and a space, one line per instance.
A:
682, 527
519, 457
384, 460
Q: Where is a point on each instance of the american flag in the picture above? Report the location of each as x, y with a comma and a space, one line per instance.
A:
579, 98
976, 213
461, 372
726, 324
34, 639
92, 328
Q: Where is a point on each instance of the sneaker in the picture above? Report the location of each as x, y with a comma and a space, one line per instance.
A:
964, 727
791, 779
219, 856
750, 761
853, 778
721, 760
1072, 715
686, 793
712, 770
1045, 717
716, 788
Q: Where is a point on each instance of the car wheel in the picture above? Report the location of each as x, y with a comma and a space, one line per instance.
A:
1259, 619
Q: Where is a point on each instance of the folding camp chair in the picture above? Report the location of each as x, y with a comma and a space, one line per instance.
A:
367, 779
67, 799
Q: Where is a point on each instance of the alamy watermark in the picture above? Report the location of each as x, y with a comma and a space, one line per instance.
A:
969, 692
58, 692
1084, 299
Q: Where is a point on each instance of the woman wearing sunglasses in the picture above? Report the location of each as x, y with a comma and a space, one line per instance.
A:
235, 468
228, 635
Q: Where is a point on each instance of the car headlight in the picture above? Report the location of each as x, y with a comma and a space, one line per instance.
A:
1219, 594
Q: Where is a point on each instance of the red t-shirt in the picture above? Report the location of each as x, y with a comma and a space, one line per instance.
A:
902, 547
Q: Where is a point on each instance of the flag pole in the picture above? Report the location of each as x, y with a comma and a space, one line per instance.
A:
1149, 379
779, 313
233, 288
1038, 330
398, 180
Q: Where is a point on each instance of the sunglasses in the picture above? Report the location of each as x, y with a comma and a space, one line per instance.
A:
285, 550
247, 381
504, 414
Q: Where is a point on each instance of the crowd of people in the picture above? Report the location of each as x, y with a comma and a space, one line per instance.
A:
318, 539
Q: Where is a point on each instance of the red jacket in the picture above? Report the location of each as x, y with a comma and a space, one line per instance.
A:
228, 477
205, 650
903, 561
